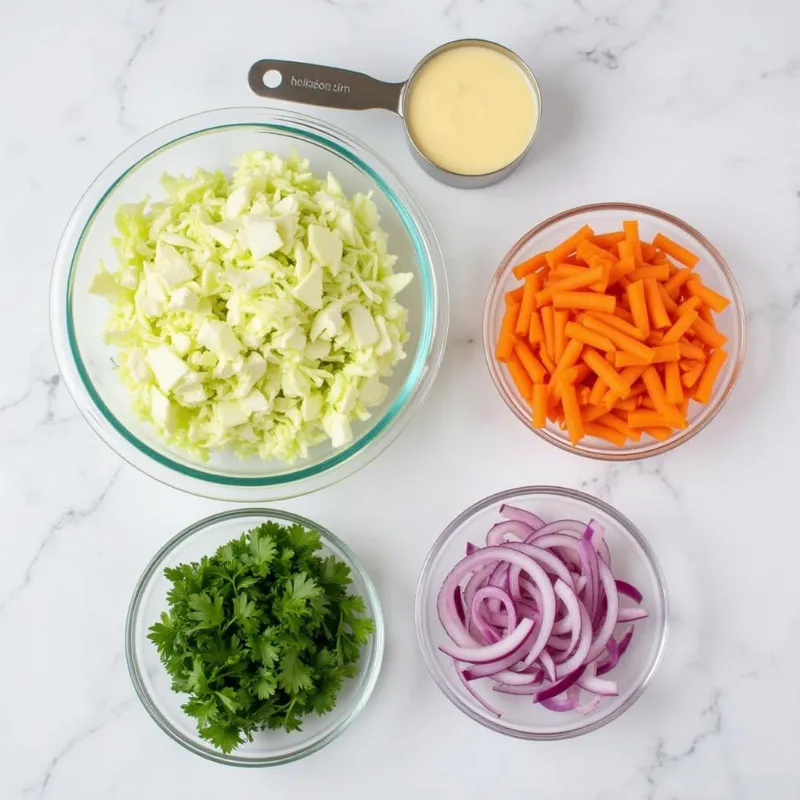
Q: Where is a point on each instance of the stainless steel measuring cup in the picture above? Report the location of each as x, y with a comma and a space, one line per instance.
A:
332, 87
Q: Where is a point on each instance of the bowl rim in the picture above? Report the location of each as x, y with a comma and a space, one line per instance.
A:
445, 537
657, 447
340, 463
372, 667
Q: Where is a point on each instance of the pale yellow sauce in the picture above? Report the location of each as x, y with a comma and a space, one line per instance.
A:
471, 110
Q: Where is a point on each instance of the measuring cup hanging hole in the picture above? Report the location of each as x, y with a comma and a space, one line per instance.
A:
272, 79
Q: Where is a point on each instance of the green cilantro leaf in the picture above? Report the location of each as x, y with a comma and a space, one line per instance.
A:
260, 634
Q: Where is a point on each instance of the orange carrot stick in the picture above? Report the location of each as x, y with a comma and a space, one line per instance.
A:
585, 278
655, 305
559, 337
663, 353
692, 375
611, 420
546, 359
648, 251
689, 350
705, 387
570, 356
549, 331
672, 382
636, 296
621, 340
592, 254
520, 377
645, 419
567, 247
529, 266
599, 389
660, 433
708, 334
604, 432
618, 321
676, 251
590, 413
716, 302
515, 295
631, 229
682, 324
532, 285
505, 343
585, 300
705, 314
657, 393
575, 331
572, 413
622, 269
535, 329
532, 365
659, 272
676, 281
669, 304
628, 404
603, 369
606, 240
539, 405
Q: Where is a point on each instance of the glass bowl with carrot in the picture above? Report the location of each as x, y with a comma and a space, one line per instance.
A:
614, 330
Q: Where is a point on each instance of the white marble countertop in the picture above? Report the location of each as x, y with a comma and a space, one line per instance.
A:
692, 107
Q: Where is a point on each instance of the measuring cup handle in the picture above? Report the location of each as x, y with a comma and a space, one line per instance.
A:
323, 86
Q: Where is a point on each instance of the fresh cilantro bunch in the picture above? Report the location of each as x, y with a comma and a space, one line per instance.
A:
261, 633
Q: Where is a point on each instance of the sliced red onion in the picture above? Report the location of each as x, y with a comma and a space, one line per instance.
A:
535, 611
490, 708
520, 514
491, 652
628, 590
630, 614
546, 660
514, 529
622, 646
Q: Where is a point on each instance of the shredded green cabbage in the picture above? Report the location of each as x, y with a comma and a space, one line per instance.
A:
256, 312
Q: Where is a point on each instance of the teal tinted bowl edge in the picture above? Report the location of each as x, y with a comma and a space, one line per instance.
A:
406, 391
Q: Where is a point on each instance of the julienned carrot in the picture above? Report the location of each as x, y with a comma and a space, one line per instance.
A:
655, 305
567, 247
692, 375
620, 339
611, 420
706, 384
572, 413
539, 405
528, 303
529, 266
604, 370
534, 367
586, 277
604, 432
549, 331
716, 302
606, 325
559, 336
631, 230
505, 343
575, 331
608, 239
677, 251
708, 334
585, 300
677, 280
679, 328
662, 354
659, 272
520, 377
617, 321
636, 297
535, 329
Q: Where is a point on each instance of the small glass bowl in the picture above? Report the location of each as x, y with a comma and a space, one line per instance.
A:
632, 560
607, 217
152, 683
213, 140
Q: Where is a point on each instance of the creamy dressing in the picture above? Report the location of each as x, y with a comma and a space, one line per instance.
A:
471, 110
